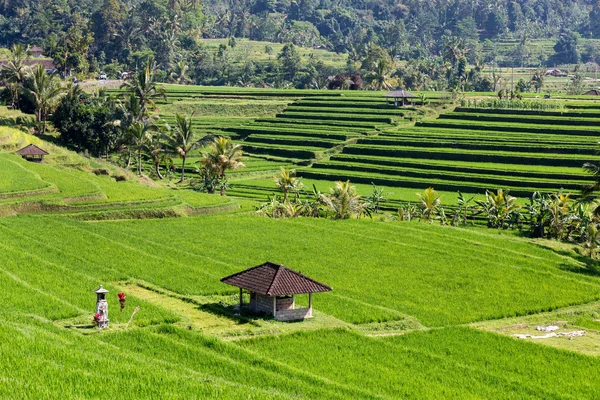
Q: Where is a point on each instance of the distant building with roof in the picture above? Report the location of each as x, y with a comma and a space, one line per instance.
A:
273, 288
400, 97
593, 92
48, 64
33, 153
36, 51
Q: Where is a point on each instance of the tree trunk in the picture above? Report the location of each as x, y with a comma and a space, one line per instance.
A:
128, 164
182, 170
38, 117
139, 162
157, 169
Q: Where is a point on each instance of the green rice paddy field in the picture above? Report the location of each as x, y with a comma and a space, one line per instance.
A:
417, 311
405, 275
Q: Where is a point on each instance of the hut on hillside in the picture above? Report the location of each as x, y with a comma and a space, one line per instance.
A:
400, 97
593, 92
36, 51
33, 153
273, 289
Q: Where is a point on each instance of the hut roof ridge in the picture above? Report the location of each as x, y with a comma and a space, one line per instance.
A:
275, 280
32, 150
400, 93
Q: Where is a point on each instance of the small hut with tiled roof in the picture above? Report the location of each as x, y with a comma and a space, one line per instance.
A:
273, 288
36, 51
33, 153
401, 95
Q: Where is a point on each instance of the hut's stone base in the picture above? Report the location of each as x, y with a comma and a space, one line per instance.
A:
284, 307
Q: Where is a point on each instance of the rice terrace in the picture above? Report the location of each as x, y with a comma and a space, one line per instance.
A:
299, 200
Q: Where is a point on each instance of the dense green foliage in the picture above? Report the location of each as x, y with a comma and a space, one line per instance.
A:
439, 39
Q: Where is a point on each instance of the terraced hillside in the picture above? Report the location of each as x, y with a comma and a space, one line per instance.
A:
82, 188
472, 150
314, 127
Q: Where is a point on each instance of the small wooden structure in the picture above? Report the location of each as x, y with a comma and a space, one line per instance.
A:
33, 153
401, 95
593, 92
273, 288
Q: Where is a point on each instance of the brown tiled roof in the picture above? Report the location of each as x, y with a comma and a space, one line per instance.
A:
36, 49
32, 150
399, 94
593, 92
48, 64
274, 280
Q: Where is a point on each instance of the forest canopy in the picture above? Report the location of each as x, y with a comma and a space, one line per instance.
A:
89, 36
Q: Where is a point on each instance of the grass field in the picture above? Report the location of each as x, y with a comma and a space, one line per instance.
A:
406, 276
417, 311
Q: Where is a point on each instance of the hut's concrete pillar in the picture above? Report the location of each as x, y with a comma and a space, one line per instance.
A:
274, 306
310, 301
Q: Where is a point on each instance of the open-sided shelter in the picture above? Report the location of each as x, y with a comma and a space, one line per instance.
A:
32, 153
400, 97
273, 288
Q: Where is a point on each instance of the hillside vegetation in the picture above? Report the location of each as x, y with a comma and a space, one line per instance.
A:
397, 324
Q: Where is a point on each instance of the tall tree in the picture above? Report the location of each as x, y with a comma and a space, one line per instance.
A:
290, 62
15, 71
45, 91
183, 140
144, 87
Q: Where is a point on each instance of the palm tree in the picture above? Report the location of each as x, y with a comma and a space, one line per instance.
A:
140, 134
46, 91
537, 80
379, 77
15, 71
183, 140
144, 88
287, 182
222, 155
344, 201
179, 73
429, 203
592, 241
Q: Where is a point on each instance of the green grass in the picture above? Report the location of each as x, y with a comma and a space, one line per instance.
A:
457, 292
15, 180
447, 363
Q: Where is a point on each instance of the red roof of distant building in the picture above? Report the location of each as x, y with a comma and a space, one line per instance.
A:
36, 49
32, 150
275, 280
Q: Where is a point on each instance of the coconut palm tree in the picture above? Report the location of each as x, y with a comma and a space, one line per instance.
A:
140, 134
183, 140
379, 77
287, 182
144, 88
46, 91
344, 201
429, 203
15, 71
222, 155
179, 72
